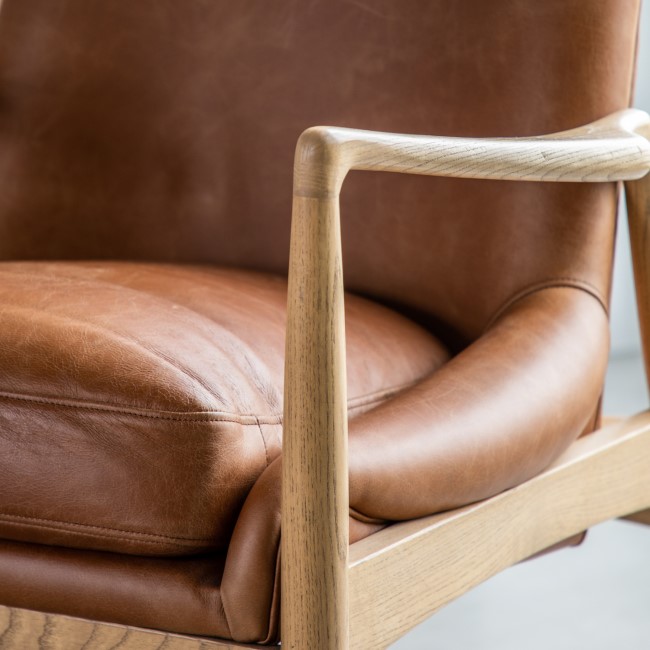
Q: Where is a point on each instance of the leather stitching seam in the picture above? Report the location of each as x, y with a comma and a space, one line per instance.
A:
47, 523
201, 416
40, 522
561, 282
266, 450
225, 616
275, 595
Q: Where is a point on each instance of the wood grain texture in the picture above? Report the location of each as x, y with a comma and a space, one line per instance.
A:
637, 194
404, 573
315, 471
606, 150
22, 629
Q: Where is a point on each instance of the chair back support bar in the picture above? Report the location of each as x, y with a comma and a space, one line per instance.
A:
637, 196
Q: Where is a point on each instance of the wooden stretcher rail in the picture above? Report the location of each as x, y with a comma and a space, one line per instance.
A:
401, 575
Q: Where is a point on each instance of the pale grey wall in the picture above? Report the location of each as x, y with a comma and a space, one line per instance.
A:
625, 334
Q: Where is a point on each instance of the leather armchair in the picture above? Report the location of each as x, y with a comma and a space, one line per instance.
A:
151, 423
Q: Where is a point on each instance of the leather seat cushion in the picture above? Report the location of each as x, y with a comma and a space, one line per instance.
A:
140, 402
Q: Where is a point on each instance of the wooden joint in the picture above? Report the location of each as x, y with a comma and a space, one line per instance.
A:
319, 164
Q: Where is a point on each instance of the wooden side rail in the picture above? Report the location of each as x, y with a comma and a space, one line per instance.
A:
402, 574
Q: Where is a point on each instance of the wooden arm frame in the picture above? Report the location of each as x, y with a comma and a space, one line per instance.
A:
402, 574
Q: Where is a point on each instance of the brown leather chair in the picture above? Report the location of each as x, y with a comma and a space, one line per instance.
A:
146, 169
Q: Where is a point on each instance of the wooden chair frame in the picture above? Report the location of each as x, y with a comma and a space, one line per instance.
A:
334, 598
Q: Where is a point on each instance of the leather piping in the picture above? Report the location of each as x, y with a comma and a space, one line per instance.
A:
108, 533
555, 283
355, 514
274, 614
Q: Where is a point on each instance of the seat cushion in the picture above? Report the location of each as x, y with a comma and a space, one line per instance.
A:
139, 402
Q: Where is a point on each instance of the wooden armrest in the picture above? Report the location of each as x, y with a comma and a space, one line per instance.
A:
315, 487
610, 149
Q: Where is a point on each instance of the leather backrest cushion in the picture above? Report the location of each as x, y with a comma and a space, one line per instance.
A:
165, 130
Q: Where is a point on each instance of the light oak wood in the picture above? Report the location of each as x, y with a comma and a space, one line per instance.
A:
637, 194
315, 501
402, 574
315, 482
606, 150
22, 629
642, 517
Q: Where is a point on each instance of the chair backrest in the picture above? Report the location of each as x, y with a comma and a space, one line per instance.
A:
165, 130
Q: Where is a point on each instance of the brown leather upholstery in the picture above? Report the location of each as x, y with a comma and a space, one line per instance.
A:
151, 398
235, 597
163, 130
176, 115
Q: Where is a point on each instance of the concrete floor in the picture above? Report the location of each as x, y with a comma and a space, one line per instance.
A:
595, 597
